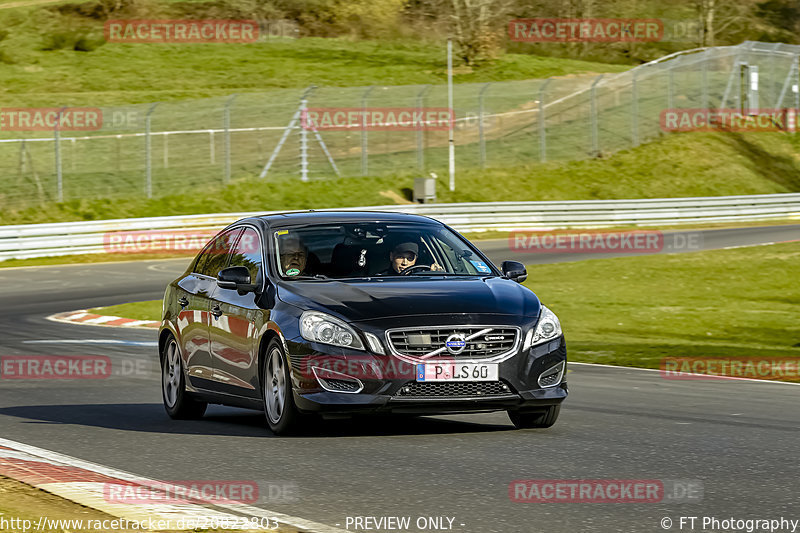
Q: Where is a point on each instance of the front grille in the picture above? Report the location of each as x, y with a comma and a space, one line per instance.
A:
453, 389
416, 342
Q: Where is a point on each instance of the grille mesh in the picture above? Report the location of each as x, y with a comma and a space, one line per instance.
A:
340, 384
552, 379
418, 342
453, 389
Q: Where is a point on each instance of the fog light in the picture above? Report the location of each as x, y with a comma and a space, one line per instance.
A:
552, 376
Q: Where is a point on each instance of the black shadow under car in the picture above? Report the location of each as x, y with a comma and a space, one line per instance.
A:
340, 313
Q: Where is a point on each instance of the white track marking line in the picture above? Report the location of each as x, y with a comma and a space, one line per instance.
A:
708, 377
58, 317
76, 316
101, 319
87, 491
92, 341
137, 323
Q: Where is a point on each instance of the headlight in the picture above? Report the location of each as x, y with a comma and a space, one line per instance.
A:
319, 327
548, 327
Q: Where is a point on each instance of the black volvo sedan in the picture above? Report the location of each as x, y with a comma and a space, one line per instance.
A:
338, 313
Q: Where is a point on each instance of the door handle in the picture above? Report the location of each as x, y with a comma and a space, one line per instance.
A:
183, 301
216, 311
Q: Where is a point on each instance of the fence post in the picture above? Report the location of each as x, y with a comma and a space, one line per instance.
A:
791, 76
421, 131
671, 87
304, 139
593, 110
364, 145
148, 153
226, 119
542, 127
796, 87
772, 68
482, 140
57, 140
166, 150
212, 148
704, 101
634, 110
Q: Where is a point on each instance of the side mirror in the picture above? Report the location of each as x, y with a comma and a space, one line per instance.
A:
235, 278
514, 270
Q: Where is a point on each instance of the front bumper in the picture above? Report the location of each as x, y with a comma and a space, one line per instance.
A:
398, 391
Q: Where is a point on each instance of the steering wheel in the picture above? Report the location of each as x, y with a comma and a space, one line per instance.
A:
411, 269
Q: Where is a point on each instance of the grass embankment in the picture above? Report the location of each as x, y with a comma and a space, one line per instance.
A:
635, 311
116, 74
692, 164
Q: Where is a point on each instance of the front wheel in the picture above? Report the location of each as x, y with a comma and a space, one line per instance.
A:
282, 415
178, 403
537, 419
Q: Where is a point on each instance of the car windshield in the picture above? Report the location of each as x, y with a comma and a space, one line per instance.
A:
360, 250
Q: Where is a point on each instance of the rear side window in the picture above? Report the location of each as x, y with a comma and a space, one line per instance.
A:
214, 256
248, 254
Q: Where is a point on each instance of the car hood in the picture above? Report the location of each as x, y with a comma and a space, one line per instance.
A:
362, 300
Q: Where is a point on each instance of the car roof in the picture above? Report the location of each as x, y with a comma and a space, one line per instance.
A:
341, 217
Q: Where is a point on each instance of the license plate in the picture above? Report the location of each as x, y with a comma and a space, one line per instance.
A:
457, 372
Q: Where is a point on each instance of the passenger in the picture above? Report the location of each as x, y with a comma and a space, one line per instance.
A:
294, 256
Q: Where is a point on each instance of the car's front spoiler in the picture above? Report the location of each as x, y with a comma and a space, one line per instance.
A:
338, 403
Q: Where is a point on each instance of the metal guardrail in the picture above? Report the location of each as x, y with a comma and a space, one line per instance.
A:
70, 238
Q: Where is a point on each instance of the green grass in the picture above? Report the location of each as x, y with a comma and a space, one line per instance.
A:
677, 165
634, 311
82, 259
148, 310
115, 74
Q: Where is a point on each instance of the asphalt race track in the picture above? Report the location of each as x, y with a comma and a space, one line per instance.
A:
737, 438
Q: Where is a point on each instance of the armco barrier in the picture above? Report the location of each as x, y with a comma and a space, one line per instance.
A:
69, 238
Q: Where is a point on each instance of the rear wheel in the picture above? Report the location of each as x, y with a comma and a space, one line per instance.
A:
178, 403
535, 419
279, 408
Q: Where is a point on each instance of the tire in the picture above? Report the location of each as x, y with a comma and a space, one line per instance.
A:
282, 415
178, 403
539, 419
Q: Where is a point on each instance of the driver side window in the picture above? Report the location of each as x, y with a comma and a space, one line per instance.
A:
214, 256
248, 254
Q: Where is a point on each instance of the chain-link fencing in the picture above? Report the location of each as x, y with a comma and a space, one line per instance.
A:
153, 150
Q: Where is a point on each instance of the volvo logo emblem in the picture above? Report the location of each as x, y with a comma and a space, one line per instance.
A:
455, 343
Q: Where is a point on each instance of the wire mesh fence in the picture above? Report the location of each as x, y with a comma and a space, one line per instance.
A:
152, 150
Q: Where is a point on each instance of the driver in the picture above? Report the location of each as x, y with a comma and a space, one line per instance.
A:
402, 257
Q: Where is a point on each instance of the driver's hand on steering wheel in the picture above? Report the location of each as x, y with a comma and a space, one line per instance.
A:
436, 267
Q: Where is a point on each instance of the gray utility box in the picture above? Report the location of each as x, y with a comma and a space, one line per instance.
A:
424, 190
